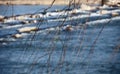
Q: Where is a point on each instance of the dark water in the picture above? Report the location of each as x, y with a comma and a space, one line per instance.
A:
28, 9
79, 51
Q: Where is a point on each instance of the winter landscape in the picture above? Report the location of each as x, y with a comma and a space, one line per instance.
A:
60, 39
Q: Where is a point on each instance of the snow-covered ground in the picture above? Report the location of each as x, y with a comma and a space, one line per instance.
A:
74, 17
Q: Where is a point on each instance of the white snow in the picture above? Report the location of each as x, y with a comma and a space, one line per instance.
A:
61, 16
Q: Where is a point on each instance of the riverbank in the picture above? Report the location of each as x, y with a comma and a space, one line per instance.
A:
45, 2
33, 2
